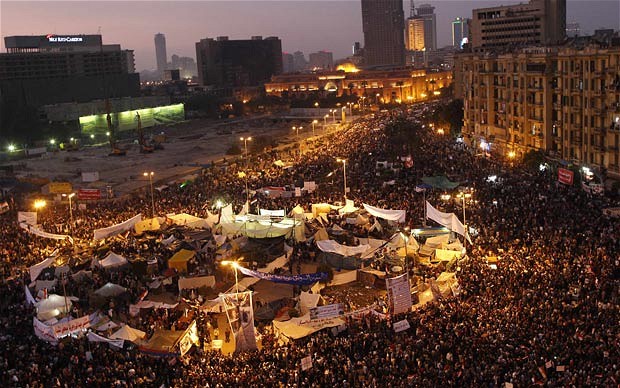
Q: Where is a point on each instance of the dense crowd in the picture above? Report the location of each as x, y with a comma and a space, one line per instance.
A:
547, 315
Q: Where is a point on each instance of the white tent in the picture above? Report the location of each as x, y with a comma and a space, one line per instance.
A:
110, 290
53, 306
190, 221
349, 207
113, 260
128, 333
308, 301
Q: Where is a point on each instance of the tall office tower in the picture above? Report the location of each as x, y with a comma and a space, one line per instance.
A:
321, 60
415, 34
539, 22
225, 63
573, 30
299, 61
357, 48
427, 13
160, 52
460, 31
383, 23
288, 64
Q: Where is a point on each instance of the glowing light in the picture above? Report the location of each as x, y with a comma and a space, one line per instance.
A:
39, 203
52, 141
11, 147
511, 154
347, 67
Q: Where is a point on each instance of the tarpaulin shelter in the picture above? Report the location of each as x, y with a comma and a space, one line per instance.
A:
110, 290
440, 182
196, 282
180, 259
297, 328
113, 260
128, 333
189, 221
344, 250
147, 225
53, 306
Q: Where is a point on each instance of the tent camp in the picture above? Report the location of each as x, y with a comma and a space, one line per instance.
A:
128, 333
113, 260
53, 306
180, 259
189, 221
110, 290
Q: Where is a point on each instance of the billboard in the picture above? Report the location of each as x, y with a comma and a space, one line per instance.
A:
89, 194
329, 311
127, 120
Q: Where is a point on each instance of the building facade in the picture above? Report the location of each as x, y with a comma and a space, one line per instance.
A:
426, 12
224, 63
383, 23
460, 32
160, 53
564, 101
398, 85
541, 22
415, 34
322, 60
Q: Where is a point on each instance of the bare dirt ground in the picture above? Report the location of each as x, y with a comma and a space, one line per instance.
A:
189, 145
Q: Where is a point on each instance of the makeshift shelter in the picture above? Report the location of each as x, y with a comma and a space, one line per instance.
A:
128, 333
259, 227
148, 225
344, 250
53, 306
321, 235
387, 214
196, 282
297, 328
349, 207
110, 290
189, 221
168, 343
440, 182
308, 301
180, 259
113, 260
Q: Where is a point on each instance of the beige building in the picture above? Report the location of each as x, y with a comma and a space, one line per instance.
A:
396, 85
415, 34
562, 100
540, 22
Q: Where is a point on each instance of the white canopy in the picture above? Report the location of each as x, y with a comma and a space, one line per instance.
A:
128, 333
190, 221
110, 290
334, 247
53, 306
387, 214
113, 260
349, 207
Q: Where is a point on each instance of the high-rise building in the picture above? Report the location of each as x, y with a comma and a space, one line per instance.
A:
185, 65
415, 33
288, 63
323, 60
573, 30
563, 100
537, 22
160, 52
357, 48
299, 61
426, 12
224, 63
460, 32
383, 25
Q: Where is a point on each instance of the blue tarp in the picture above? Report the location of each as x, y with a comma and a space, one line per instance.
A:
297, 280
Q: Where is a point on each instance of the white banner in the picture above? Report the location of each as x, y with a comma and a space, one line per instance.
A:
117, 343
241, 318
66, 328
189, 338
44, 332
36, 269
113, 230
329, 311
29, 299
344, 250
38, 232
399, 294
306, 363
386, 214
29, 218
271, 213
449, 220
401, 326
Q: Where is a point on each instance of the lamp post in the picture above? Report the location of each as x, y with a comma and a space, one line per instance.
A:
235, 265
344, 174
314, 122
333, 114
318, 110
70, 211
150, 176
296, 129
406, 239
325, 120
245, 141
463, 196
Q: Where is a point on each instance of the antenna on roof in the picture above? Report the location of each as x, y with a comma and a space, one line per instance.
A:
412, 10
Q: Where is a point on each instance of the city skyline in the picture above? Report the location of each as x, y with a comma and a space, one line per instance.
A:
326, 25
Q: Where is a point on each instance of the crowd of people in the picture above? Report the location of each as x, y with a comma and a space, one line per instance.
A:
547, 314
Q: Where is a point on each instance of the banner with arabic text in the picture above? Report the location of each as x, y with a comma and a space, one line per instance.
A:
297, 280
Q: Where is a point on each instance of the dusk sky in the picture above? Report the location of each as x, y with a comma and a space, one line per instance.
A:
309, 25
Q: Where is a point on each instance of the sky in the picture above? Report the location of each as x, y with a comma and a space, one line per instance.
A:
308, 25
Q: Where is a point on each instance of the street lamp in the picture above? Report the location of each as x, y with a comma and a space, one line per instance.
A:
39, 204
314, 122
464, 196
325, 119
150, 176
11, 147
245, 141
235, 265
344, 174
70, 210
406, 239
318, 110
333, 114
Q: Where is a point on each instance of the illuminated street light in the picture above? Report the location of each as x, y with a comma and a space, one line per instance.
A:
11, 147
314, 122
70, 210
235, 265
52, 141
440, 131
511, 154
245, 141
463, 196
325, 119
39, 204
344, 174
150, 176
92, 135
